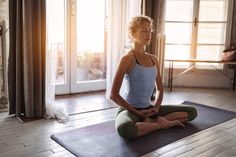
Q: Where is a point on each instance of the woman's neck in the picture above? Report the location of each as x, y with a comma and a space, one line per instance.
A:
139, 49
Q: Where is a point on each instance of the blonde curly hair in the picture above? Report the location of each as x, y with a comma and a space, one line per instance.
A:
135, 22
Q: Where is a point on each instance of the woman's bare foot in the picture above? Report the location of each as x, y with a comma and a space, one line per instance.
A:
179, 124
168, 124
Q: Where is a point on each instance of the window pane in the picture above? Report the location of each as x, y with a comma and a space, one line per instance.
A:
213, 10
209, 52
90, 40
177, 52
56, 36
90, 25
211, 33
178, 33
179, 10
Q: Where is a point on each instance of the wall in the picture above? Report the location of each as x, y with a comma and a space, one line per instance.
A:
200, 78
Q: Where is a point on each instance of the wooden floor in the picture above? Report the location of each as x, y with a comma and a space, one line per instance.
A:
32, 139
85, 102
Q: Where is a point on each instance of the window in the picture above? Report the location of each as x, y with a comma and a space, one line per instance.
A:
195, 29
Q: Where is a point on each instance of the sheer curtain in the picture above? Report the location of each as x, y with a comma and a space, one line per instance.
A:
120, 13
52, 109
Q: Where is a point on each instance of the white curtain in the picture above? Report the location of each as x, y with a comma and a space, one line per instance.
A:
52, 109
120, 13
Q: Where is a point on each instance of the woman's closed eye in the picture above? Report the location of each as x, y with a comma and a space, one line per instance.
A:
146, 31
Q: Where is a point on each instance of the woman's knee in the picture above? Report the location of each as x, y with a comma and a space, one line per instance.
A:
192, 113
127, 130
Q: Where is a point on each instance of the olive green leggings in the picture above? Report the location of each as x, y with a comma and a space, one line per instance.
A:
125, 120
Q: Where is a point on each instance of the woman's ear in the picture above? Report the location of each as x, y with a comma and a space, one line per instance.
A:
134, 34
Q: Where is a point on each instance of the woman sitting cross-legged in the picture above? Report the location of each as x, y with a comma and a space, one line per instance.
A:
136, 116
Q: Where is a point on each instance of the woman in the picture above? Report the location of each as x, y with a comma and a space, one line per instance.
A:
136, 116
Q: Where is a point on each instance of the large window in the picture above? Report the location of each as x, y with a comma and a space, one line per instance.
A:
195, 29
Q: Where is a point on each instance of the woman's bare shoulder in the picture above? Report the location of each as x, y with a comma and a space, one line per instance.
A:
127, 58
127, 62
154, 57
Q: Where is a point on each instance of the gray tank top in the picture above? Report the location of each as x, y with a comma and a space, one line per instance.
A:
140, 84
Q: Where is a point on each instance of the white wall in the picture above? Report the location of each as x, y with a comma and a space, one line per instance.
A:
201, 78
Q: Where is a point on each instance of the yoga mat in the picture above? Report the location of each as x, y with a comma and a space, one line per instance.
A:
102, 140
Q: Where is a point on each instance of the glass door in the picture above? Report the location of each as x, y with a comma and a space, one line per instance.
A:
88, 36
77, 41
57, 44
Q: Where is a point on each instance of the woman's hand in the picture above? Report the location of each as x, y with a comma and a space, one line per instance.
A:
154, 110
144, 113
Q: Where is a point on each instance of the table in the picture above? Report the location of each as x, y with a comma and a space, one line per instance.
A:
171, 69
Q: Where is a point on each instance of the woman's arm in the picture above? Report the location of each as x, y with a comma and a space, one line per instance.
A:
124, 66
159, 87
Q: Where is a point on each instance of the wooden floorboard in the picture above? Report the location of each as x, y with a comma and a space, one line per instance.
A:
32, 139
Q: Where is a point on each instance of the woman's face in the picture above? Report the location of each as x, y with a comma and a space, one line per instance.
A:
143, 34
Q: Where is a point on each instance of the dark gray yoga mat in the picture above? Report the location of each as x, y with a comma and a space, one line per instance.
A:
102, 140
